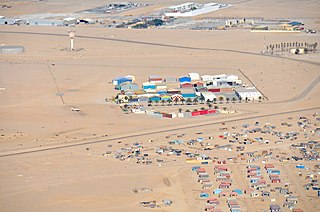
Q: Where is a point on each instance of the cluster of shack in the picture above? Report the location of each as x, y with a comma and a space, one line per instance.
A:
224, 173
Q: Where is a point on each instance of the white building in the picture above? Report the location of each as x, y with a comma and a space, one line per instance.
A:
191, 9
194, 76
208, 96
250, 93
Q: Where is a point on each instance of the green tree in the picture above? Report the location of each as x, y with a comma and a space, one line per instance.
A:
163, 102
234, 99
221, 98
169, 101
260, 98
149, 103
195, 101
227, 99
157, 102
189, 101
214, 100
183, 101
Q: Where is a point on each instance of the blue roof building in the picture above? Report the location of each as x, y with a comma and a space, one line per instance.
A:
120, 80
184, 79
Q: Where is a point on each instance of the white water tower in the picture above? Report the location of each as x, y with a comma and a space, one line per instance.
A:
71, 36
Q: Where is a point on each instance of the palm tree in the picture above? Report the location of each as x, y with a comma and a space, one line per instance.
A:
149, 103
210, 105
224, 108
187, 110
227, 99
169, 101
214, 100
176, 101
157, 102
221, 99
201, 99
234, 99
202, 108
182, 101
195, 110
180, 110
195, 101
216, 107
189, 101
163, 102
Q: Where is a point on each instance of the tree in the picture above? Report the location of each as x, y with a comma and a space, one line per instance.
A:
210, 105
227, 99
216, 107
202, 108
176, 101
221, 98
182, 101
234, 99
260, 98
169, 101
224, 108
202, 100
195, 101
189, 101
187, 110
195, 110
157, 102
180, 110
208, 102
149, 103
163, 102
214, 100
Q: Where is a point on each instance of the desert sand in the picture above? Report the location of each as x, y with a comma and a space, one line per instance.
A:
34, 117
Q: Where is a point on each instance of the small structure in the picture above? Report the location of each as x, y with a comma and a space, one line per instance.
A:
275, 208
120, 80
186, 85
149, 85
128, 86
194, 76
11, 49
45, 22
155, 79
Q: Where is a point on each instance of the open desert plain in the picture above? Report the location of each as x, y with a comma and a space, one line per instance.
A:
73, 139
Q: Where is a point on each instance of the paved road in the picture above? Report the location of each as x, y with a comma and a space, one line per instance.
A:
34, 150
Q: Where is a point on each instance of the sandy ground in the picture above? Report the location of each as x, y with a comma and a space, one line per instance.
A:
74, 179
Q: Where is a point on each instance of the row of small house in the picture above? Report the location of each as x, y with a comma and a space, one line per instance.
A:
212, 204
176, 89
